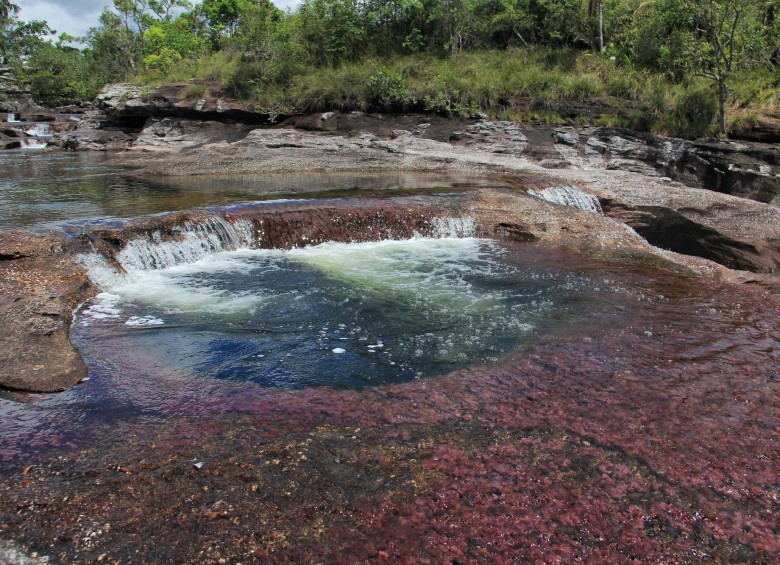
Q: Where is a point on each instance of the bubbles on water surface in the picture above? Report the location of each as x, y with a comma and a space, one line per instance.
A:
343, 315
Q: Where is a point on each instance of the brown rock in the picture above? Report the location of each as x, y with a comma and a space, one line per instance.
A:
40, 284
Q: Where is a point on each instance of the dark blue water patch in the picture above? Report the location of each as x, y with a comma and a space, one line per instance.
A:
348, 316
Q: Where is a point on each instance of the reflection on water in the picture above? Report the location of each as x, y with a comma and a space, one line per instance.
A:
58, 189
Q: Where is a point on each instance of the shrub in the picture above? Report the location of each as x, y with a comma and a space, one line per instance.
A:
194, 92
742, 123
694, 114
388, 91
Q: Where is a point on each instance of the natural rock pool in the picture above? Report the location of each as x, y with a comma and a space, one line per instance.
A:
338, 315
433, 399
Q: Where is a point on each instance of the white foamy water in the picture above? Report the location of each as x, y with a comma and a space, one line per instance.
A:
33, 144
424, 271
39, 130
144, 321
197, 240
569, 196
429, 270
454, 227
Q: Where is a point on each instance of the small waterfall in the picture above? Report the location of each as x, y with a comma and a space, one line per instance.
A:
11, 118
196, 240
569, 196
32, 143
39, 130
454, 227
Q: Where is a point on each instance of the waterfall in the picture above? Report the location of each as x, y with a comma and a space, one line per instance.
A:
32, 143
196, 240
39, 130
569, 196
11, 119
454, 227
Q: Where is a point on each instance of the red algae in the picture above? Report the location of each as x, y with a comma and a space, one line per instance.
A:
648, 435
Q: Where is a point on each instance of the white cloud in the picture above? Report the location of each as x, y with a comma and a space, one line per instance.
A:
74, 17
77, 16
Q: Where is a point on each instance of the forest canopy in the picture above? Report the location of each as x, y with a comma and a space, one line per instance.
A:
673, 63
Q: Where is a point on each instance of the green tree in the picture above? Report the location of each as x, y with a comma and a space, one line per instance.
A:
332, 31
167, 42
58, 74
513, 18
726, 35
7, 9
18, 38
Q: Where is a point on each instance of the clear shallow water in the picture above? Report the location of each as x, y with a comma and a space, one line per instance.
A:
53, 189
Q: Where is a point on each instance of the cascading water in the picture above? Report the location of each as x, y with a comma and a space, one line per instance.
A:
335, 314
39, 130
11, 119
195, 241
31, 143
569, 196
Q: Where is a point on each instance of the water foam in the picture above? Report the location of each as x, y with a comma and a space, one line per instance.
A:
31, 143
39, 130
569, 196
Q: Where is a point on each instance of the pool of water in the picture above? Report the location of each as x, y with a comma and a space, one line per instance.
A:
56, 190
204, 338
339, 315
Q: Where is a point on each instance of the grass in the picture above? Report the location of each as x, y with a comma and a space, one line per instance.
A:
533, 84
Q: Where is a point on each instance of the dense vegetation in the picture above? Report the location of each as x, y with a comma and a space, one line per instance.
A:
672, 65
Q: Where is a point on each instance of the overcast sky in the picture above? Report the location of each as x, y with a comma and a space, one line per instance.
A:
77, 16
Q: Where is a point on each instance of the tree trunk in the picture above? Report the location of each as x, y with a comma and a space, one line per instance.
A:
601, 27
723, 96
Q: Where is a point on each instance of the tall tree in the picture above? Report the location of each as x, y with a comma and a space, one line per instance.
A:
724, 37
18, 38
596, 9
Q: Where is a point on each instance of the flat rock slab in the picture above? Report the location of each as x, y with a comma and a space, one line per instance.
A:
40, 285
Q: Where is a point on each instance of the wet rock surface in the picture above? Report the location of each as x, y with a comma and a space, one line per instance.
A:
39, 286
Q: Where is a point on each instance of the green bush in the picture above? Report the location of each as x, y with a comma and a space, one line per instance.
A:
694, 114
388, 91
194, 92
742, 123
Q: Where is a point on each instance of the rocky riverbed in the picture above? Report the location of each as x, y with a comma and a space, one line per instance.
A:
597, 447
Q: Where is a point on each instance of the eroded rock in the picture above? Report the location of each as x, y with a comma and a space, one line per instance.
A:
40, 285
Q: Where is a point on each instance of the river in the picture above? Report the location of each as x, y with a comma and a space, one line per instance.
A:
439, 399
